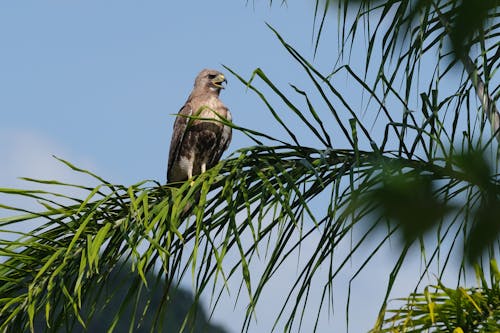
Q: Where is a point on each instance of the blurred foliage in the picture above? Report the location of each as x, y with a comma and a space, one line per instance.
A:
413, 150
485, 226
411, 199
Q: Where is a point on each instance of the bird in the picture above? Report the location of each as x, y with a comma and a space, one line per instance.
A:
197, 144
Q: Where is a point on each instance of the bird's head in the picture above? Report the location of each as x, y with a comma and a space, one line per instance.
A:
210, 78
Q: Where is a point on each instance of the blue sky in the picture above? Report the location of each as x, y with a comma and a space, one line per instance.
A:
103, 78
97, 82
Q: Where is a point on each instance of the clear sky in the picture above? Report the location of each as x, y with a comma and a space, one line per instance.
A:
96, 82
101, 79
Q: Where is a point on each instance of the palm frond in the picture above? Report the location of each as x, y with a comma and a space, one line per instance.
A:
427, 168
444, 309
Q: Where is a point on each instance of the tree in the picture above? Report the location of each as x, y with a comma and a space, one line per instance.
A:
431, 176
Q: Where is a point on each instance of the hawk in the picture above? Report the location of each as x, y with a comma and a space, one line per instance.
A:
198, 144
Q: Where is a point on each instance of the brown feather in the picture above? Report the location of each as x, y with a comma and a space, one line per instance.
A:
197, 142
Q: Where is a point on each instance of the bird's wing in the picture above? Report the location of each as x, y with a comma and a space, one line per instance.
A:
180, 126
224, 141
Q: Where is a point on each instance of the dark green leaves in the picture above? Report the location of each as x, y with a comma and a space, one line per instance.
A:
384, 153
469, 21
485, 223
410, 201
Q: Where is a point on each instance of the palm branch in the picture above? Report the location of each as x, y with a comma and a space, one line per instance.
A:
442, 309
428, 168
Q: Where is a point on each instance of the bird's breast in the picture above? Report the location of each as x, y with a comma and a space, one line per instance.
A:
212, 108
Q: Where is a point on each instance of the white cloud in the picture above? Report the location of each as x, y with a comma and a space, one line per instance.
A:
27, 153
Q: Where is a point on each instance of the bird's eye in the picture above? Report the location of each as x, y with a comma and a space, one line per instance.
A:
211, 76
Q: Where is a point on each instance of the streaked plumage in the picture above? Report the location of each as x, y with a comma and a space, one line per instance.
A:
197, 145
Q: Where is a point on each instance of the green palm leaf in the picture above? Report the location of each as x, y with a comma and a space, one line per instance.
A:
427, 172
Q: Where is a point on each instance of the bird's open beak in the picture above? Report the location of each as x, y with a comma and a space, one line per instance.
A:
218, 80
